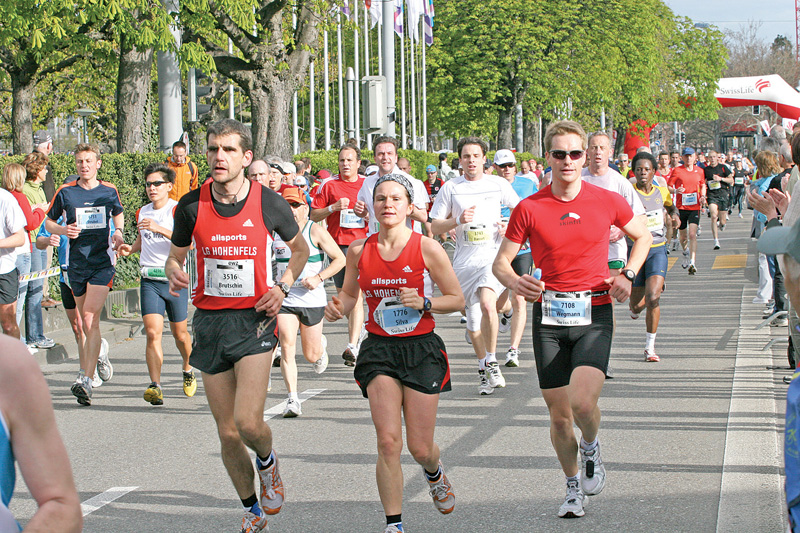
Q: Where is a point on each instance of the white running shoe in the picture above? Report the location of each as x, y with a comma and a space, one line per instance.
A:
716, 244
512, 357
692, 269
593, 473
321, 364
484, 388
467, 337
96, 381
633, 314
104, 367
276, 357
505, 323
292, 408
573, 503
686, 261
494, 375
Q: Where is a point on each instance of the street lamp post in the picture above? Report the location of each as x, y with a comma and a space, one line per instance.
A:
85, 112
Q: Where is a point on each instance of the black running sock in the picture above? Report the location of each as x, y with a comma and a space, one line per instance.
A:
266, 462
248, 503
393, 519
435, 475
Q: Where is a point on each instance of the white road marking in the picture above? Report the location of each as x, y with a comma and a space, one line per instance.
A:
303, 396
96, 502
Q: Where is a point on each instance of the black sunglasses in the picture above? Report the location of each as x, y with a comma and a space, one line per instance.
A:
562, 154
154, 184
506, 165
296, 205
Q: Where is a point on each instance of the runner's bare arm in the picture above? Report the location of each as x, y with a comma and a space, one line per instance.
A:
325, 242
341, 306
442, 274
271, 301
27, 407
637, 231
14, 240
526, 285
178, 279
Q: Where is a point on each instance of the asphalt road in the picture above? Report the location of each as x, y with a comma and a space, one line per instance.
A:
692, 443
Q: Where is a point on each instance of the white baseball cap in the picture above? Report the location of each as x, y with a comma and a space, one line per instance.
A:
503, 157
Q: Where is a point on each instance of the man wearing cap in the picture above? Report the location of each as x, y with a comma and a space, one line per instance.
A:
432, 185
185, 171
689, 184
43, 143
506, 165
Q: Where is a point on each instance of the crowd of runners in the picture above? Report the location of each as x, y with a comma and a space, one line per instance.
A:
573, 239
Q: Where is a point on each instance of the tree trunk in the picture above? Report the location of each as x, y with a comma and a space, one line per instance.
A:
133, 85
533, 136
279, 139
505, 120
260, 116
22, 90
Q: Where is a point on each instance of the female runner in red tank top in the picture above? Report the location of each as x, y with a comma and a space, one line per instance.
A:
402, 366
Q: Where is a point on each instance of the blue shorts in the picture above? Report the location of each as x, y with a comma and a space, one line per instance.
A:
156, 299
78, 280
654, 265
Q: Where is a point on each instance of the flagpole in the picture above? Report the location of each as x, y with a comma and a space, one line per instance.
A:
327, 94
387, 36
404, 138
341, 77
356, 89
424, 98
311, 103
366, 56
413, 61
380, 47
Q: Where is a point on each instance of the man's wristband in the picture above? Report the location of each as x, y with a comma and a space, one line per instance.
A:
330, 209
117, 230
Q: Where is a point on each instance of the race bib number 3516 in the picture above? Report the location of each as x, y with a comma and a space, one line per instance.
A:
230, 278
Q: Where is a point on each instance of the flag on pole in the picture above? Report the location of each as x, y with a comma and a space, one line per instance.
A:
398, 17
375, 12
346, 9
427, 27
416, 8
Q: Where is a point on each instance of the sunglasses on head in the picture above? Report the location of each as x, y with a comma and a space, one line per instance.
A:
562, 154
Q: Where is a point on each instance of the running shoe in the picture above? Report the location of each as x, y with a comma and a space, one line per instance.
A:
82, 390
686, 261
292, 409
494, 375
467, 337
189, 383
768, 311
153, 394
722, 227
593, 473
740, 215
505, 323
321, 364
32, 349
573, 503
104, 368
271, 498
692, 269
781, 322
45, 342
634, 315
463, 320
276, 357
393, 529
674, 244
96, 381
441, 492
651, 357
349, 357
254, 523
512, 357
484, 388
716, 244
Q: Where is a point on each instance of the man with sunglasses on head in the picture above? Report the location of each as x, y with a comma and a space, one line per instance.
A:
568, 225
506, 165
471, 205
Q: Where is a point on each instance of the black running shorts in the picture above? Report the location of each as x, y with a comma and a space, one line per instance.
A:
689, 217
418, 362
221, 338
722, 198
338, 278
559, 350
522, 264
308, 316
9, 287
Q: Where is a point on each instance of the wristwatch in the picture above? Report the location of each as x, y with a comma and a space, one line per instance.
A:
283, 287
426, 304
629, 274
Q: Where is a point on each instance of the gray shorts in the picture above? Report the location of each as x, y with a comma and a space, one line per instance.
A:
308, 316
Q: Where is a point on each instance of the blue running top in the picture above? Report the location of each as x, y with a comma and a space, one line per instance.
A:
7, 479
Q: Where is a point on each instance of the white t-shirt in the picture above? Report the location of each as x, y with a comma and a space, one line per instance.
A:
613, 181
477, 242
12, 220
420, 199
155, 247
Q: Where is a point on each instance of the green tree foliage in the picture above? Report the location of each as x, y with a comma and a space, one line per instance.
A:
560, 58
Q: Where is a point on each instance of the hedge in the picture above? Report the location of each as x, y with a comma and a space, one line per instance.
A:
125, 172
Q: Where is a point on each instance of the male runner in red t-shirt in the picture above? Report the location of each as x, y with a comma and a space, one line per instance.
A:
568, 225
689, 182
